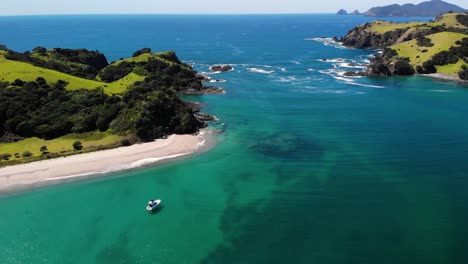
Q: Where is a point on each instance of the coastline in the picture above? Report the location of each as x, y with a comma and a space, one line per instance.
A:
445, 77
95, 164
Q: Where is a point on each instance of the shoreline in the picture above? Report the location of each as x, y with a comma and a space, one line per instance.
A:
99, 163
445, 77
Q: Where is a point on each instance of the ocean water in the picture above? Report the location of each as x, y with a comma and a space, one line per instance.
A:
312, 167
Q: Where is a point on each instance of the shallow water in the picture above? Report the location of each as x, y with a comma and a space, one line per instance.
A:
312, 167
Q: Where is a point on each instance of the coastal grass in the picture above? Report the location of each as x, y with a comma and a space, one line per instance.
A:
11, 70
451, 69
146, 57
448, 20
418, 55
385, 26
121, 85
61, 146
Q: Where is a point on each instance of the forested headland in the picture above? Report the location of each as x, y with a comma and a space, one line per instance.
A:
69, 100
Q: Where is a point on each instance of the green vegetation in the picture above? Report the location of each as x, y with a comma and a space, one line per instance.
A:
441, 41
439, 46
446, 20
56, 102
62, 145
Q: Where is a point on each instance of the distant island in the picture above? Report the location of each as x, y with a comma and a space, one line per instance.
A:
437, 47
58, 102
430, 8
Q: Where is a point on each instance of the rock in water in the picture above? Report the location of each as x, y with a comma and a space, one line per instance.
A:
221, 68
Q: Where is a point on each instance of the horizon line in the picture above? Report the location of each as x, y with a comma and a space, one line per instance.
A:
203, 14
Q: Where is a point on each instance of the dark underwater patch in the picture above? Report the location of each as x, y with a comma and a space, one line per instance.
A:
288, 146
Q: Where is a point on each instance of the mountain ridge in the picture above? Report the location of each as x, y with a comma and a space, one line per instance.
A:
423, 9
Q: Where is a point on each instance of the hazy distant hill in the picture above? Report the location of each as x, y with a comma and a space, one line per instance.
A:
425, 9
342, 12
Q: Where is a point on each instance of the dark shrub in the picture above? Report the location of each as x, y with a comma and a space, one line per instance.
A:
26, 154
403, 67
463, 19
116, 72
125, 142
5, 156
77, 145
18, 83
142, 51
44, 150
424, 42
426, 68
40, 50
463, 74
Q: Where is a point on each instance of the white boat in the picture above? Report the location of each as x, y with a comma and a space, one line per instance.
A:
152, 205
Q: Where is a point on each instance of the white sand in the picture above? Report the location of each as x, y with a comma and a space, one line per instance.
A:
29, 175
444, 77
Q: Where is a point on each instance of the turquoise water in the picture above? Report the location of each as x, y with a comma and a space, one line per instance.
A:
312, 167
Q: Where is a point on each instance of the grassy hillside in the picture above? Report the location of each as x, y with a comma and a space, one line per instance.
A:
417, 54
56, 97
448, 20
424, 47
59, 146
11, 70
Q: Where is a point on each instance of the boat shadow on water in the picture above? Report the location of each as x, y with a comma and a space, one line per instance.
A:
156, 210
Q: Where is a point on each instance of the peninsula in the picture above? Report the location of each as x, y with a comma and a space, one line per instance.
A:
61, 102
438, 48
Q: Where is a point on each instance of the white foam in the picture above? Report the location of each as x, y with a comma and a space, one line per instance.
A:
351, 65
367, 85
258, 70
441, 91
287, 79
332, 60
328, 42
216, 81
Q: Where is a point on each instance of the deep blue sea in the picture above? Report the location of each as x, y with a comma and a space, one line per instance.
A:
312, 167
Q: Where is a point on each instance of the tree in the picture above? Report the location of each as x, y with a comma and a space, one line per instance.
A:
44, 150
77, 145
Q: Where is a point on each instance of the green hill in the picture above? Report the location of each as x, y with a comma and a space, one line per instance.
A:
56, 97
424, 47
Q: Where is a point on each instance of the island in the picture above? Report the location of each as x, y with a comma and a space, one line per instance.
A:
60, 102
438, 48
424, 9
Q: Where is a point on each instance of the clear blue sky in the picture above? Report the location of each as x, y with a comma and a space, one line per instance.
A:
28, 7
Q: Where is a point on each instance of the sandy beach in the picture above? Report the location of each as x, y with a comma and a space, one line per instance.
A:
445, 77
40, 173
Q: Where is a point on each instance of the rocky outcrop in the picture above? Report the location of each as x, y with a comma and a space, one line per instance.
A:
221, 68
205, 90
355, 74
202, 117
355, 13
